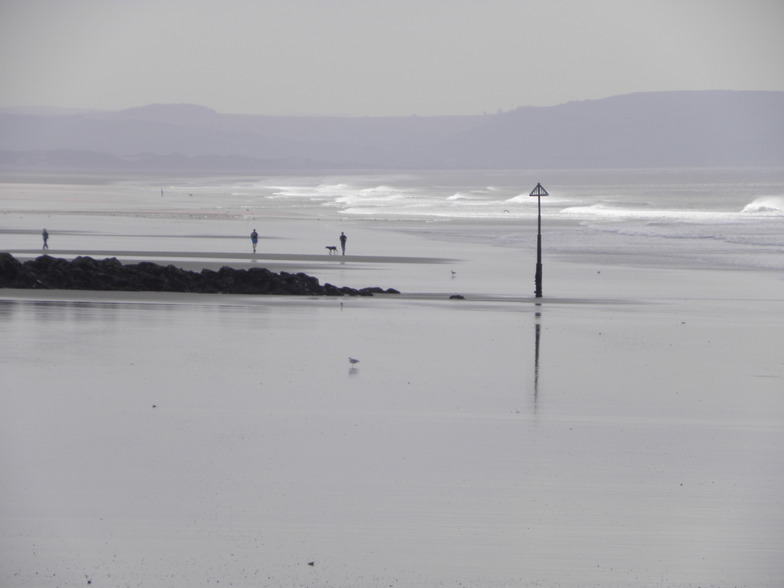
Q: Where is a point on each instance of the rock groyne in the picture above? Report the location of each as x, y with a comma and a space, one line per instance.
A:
86, 273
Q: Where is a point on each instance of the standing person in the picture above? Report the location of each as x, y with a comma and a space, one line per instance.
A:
254, 239
343, 239
45, 235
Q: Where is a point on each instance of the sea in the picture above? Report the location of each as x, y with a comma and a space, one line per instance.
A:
198, 440
731, 218
723, 218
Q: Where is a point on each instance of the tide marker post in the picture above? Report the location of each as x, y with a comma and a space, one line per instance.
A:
539, 191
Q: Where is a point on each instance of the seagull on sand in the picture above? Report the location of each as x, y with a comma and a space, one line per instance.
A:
352, 361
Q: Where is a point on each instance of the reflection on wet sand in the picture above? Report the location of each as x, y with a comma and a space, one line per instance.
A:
537, 337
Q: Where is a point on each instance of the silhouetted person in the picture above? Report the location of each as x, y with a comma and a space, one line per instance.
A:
343, 239
45, 235
254, 239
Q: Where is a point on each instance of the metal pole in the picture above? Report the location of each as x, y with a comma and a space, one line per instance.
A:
539, 191
538, 279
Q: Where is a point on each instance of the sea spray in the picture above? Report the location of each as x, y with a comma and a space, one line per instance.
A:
765, 205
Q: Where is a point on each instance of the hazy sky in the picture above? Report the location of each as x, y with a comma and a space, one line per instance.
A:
380, 57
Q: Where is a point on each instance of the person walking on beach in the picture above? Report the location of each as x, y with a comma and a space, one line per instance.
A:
254, 239
343, 239
45, 235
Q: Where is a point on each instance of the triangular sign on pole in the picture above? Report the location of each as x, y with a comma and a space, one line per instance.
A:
539, 191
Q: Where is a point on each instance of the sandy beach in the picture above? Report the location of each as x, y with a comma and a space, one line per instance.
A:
624, 430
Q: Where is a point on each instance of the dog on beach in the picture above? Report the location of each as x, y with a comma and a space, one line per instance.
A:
332, 249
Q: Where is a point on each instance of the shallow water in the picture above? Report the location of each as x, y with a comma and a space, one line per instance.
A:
723, 218
181, 442
625, 431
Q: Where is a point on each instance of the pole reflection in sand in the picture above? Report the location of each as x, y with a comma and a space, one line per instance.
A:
537, 336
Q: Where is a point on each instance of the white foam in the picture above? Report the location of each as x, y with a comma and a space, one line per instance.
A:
736, 223
765, 205
605, 211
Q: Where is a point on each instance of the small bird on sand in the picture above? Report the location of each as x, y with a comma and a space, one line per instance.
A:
352, 361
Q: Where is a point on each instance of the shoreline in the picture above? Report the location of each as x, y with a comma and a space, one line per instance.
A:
225, 299
242, 258
599, 435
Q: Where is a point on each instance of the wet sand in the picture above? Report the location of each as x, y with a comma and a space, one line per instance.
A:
624, 430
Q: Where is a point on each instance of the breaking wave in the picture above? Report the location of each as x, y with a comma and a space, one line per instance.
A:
643, 213
773, 205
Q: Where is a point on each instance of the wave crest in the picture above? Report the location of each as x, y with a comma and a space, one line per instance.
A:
765, 205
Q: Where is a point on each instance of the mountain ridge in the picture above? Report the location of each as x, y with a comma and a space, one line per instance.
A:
646, 129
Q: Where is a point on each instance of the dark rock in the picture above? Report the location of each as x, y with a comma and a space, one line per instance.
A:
86, 273
331, 290
10, 267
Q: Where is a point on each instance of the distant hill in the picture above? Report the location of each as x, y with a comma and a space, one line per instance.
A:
659, 129
663, 129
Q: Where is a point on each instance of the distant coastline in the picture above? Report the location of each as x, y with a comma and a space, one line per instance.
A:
642, 130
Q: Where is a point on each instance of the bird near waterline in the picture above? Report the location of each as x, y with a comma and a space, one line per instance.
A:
352, 370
